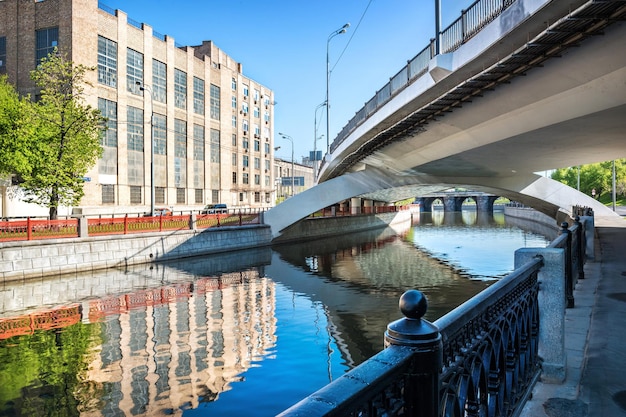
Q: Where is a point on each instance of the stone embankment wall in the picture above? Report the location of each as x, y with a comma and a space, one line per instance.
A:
35, 259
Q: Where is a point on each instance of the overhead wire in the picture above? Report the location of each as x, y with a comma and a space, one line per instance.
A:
356, 28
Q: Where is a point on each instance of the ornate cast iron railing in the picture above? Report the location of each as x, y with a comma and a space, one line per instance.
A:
480, 359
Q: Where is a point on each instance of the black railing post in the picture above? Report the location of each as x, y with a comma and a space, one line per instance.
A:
421, 392
569, 284
580, 247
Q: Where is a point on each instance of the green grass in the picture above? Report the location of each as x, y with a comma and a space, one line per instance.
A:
607, 200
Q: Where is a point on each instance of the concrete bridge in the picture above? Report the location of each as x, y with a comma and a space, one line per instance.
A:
453, 201
527, 87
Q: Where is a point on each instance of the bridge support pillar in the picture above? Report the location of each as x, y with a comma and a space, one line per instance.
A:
485, 203
368, 206
427, 205
452, 203
355, 205
420, 201
551, 299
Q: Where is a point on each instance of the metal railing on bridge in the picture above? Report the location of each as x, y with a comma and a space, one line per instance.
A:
471, 21
482, 358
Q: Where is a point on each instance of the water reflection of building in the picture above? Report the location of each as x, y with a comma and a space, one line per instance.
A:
168, 349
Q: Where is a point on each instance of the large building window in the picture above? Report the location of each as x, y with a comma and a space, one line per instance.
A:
46, 41
134, 118
159, 81
180, 138
180, 153
3, 55
180, 89
159, 195
215, 102
159, 132
215, 146
134, 70
134, 140
180, 196
108, 161
135, 194
107, 62
198, 95
198, 143
108, 109
108, 194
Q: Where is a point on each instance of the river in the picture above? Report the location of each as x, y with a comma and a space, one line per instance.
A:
247, 333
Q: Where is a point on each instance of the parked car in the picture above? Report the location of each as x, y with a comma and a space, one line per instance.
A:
160, 211
214, 209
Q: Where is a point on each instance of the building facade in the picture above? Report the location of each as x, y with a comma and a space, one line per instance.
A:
210, 127
286, 173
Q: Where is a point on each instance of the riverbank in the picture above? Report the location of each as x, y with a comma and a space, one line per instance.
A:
23, 260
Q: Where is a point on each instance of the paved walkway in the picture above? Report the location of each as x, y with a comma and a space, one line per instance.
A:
595, 339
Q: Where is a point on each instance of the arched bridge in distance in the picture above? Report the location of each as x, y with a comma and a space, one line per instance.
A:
519, 87
453, 200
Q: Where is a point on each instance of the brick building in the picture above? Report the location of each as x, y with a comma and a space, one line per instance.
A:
212, 127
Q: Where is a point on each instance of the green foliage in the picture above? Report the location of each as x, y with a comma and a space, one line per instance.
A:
15, 153
43, 373
63, 135
598, 177
404, 202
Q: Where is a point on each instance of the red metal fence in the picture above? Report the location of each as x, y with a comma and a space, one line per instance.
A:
43, 320
33, 229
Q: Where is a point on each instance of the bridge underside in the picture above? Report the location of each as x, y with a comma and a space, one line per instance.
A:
488, 121
543, 194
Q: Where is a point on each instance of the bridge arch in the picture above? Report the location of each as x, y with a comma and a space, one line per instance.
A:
545, 195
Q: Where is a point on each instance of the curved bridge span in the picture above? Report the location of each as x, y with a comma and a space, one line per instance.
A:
539, 86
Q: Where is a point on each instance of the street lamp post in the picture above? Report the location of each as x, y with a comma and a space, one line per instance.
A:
339, 31
290, 139
147, 88
315, 138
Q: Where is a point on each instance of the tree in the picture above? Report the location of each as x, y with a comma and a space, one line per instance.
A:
14, 150
596, 177
64, 135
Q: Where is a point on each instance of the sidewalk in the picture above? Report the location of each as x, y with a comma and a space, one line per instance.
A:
595, 339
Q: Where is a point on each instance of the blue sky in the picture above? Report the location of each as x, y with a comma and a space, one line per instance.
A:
282, 45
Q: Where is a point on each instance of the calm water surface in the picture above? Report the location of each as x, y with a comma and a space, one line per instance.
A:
241, 334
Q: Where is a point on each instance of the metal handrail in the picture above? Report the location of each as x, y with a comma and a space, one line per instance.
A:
471, 21
482, 357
